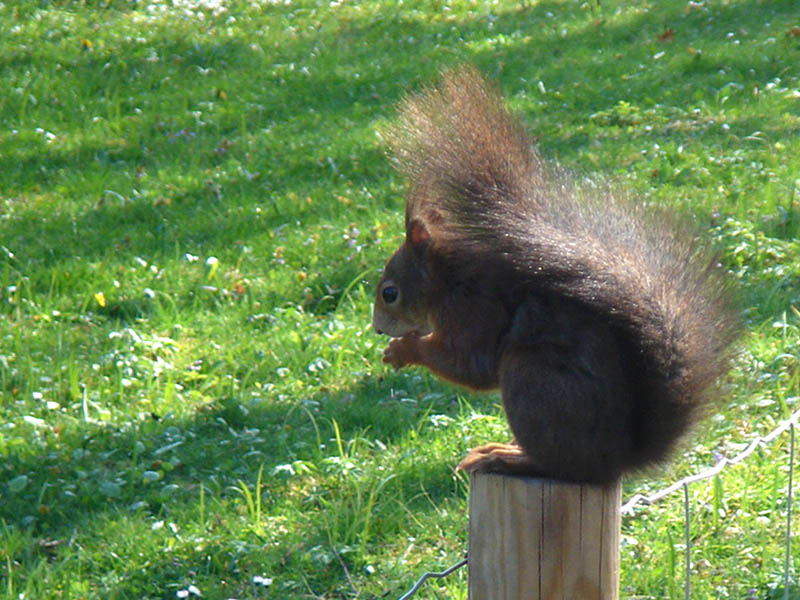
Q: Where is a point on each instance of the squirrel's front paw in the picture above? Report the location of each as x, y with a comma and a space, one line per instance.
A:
401, 351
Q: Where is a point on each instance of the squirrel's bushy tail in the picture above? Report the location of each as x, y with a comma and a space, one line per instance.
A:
472, 165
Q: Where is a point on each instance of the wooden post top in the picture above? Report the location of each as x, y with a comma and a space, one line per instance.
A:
543, 539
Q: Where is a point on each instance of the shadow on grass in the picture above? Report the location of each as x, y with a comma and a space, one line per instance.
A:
593, 67
89, 480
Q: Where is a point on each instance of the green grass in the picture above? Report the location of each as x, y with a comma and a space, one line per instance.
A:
194, 209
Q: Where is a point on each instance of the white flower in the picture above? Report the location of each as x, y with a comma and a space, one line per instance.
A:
262, 581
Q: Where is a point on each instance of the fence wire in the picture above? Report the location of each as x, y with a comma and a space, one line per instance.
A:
426, 576
627, 508
787, 560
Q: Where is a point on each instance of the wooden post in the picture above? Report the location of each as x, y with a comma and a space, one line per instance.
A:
541, 539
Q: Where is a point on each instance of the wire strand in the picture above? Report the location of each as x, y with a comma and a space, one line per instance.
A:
627, 508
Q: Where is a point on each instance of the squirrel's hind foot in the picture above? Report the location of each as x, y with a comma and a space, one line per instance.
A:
503, 459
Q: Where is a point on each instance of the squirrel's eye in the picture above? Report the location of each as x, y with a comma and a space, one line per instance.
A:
390, 294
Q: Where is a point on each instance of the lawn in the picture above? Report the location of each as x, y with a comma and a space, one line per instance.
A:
194, 210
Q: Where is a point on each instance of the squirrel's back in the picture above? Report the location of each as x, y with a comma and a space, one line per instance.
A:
501, 208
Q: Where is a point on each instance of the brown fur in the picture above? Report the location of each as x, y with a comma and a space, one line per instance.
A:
603, 323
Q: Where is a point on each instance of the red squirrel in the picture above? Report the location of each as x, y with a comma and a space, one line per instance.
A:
603, 323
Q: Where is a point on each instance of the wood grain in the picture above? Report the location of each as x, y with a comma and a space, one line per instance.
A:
542, 539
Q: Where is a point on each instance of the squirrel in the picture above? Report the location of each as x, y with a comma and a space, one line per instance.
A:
603, 322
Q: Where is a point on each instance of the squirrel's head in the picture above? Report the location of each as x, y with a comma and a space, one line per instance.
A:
405, 293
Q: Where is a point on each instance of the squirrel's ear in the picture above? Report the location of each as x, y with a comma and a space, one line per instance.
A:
417, 233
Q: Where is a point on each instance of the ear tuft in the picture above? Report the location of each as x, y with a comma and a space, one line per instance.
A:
418, 234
